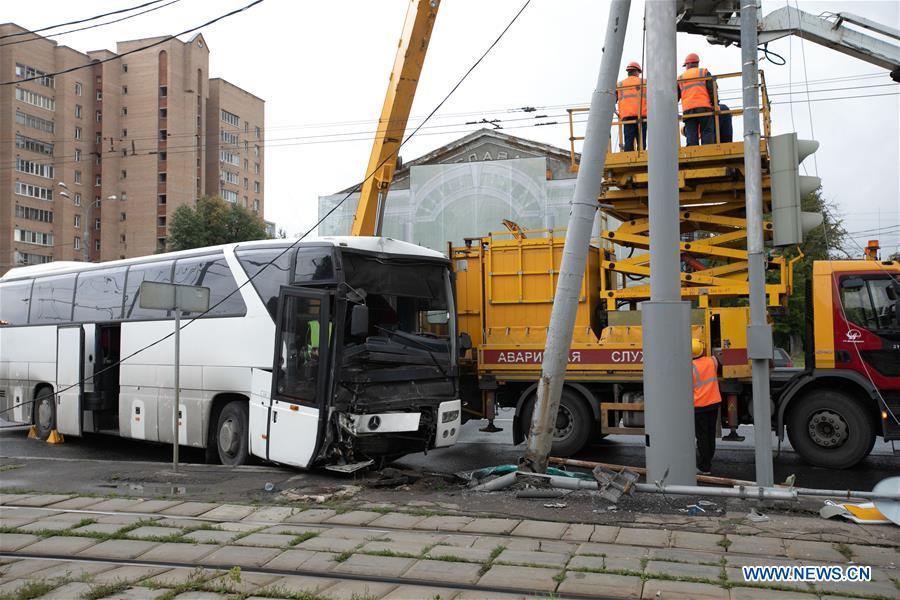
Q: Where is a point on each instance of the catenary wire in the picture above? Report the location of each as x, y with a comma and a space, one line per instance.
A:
95, 17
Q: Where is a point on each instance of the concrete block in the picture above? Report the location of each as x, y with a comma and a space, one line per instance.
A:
311, 515
236, 526
612, 550
129, 573
697, 541
290, 559
228, 512
592, 563
756, 544
494, 526
354, 517
875, 555
61, 545
557, 546
271, 514
123, 520
519, 557
293, 530
444, 572
655, 538
76, 589
10, 542
477, 555
682, 589
817, 551
460, 541
384, 566
153, 506
201, 596
632, 565
179, 552
76, 503
71, 570
154, 532
610, 586
578, 532
749, 593
41, 500
476, 595
657, 567
22, 568
98, 528
189, 509
249, 583
443, 523
396, 520
540, 529
328, 544
690, 556
116, 504
265, 539
181, 575
605, 534
539, 579
355, 533
298, 584
45, 525
408, 548
243, 556
353, 590
118, 549
210, 536
138, 593
408, 592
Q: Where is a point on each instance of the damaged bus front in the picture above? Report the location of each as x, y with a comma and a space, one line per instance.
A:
365, 353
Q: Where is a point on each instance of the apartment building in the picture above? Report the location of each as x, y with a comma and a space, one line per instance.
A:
94, 162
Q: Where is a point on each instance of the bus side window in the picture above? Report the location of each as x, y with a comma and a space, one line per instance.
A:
51, 299
212, 272
98, 295
156, 271
299, 370
15, 298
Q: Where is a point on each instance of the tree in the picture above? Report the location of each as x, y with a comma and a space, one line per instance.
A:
824, 242
213, 221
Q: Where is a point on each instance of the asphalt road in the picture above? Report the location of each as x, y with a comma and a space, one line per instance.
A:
477, 449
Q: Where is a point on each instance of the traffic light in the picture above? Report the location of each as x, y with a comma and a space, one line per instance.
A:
788, 187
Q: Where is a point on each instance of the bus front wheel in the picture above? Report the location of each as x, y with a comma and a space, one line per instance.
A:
44, 412
232, 439
831, 429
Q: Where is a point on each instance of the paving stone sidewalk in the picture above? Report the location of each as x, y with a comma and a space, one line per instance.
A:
231, 551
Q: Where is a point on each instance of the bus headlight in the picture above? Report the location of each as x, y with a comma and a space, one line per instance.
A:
450, 416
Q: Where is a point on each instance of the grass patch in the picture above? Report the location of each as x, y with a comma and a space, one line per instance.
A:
844, 549
281, 592
303, 537
497, 551
560, 577
450, 558
106, 589
6, 468
724, 542
343, 556
390, 553
31, 589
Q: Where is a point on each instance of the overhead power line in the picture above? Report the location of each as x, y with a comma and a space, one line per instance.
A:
140, 49
115, 12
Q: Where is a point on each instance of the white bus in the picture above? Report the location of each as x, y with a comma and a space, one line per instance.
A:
344, 349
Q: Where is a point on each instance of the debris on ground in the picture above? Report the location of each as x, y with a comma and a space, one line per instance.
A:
864, 514
320, 495
613, 484
556, 505
754, 516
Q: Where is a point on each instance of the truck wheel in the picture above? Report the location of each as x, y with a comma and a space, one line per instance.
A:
44, 412
574, 423
232, 439
831, 429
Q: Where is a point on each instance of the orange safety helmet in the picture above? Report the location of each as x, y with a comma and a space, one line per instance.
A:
633, 66
691, 58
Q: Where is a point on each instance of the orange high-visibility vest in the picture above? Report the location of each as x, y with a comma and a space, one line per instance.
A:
631, 92
706, 384
694, 93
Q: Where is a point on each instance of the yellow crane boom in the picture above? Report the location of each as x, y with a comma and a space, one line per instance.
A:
411, 50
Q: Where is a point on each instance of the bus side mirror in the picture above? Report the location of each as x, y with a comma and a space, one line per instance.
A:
359, 320
465, 343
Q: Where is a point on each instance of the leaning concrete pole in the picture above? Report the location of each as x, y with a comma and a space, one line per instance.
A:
665, 319
578, 239
759, 334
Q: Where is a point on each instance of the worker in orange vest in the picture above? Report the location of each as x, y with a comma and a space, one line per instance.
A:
632, 95
697, 96
707, 400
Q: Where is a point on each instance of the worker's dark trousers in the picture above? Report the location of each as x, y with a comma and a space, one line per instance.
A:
704, 126
630, 131
705, 430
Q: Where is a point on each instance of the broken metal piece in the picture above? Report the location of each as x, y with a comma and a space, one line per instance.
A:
612, 484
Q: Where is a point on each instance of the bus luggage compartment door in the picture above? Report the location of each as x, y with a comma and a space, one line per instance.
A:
74, 370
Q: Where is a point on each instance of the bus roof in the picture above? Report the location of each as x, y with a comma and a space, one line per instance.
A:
367, 244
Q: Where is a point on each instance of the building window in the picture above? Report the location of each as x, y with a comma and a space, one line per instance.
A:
77, 222
78, 177
77, 132
33, 237
246, 164
245, 202
228, 177
124, 110
34, 214
34, 122
258, 133
163, 156
29, 97
162, 177
246, 183
256, 186
229, 195
246, 126
163, 91
124, 90
161, 221
34, 191
124, 67
33, 168
97, 181
163, 134
256, 205
124, 133
78, 111
163, 113
97, 201
230, 138
123, 174
98, 139
122, 216
123, 196
76, 243
97, 245
230, 118
246, 146
77, 199
98, 116
256, 168
97, 223
229, 158
161, 199
79, 89
256, 151
77, 154
26, 72
32, 145
99, 95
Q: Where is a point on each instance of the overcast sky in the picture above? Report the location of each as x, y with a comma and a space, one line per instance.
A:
322, 68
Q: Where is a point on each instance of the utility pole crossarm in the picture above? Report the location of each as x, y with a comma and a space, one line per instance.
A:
398, 101
835, 35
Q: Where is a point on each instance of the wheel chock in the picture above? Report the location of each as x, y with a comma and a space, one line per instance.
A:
32, 433
55, 437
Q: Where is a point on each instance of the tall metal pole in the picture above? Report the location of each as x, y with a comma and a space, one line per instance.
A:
177, 385
759, 334
665, 319
578, 239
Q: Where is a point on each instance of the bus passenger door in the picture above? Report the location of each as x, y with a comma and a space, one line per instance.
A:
299, 376
74, 372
